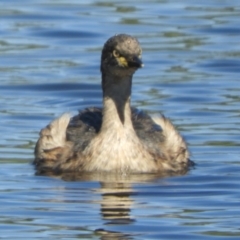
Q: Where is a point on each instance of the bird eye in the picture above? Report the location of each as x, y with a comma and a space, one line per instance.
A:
116, 54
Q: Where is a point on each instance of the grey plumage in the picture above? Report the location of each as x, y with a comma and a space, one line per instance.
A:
116, 138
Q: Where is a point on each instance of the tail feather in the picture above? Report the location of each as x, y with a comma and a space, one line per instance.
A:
176, 147
52, 141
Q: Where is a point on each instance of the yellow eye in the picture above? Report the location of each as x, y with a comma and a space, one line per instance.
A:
116, 54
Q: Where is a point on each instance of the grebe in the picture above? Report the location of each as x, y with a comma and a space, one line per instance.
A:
116, 138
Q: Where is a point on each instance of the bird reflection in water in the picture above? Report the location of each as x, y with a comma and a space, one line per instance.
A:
117, 198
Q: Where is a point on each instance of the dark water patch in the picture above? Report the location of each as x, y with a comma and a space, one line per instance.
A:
235, 31
29, 16
193, 99
50, 87
222, 65
61, 33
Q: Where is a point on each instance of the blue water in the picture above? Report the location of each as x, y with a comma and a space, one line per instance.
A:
49, 64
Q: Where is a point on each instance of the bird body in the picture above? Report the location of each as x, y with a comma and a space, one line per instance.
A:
116, 138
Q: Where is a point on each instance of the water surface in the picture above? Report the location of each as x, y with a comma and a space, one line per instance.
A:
50, 53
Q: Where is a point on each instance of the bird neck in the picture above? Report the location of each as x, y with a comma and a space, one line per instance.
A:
116, 101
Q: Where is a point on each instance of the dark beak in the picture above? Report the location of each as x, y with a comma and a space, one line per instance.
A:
135, 62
